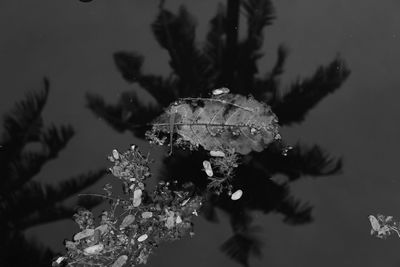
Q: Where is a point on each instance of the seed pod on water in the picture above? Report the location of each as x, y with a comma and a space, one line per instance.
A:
207, 168
238, 194
142, 238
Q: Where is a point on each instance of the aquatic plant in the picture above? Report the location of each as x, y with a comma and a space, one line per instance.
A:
383, 226
135, 224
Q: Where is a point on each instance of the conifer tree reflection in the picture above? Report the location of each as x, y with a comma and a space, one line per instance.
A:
227, 61
26, 146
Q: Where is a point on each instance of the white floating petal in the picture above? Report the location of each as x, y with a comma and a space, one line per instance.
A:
178, 219
60, 259
142, 238
217, 153
207, 168
374, 223
220, 91
137, 197
93, 249
115, 154
147, 214
238, 194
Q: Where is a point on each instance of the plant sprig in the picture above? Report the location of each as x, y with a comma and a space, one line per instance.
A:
134, 225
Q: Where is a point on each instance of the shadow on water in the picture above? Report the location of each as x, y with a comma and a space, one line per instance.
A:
227, 61
26, 146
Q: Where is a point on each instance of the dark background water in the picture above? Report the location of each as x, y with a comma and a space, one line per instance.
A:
72, 44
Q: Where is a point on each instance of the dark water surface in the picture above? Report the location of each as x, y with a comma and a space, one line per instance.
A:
72, 44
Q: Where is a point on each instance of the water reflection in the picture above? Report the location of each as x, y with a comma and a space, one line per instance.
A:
26, 146
227, 61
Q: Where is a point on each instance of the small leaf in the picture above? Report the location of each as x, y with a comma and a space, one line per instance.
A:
128, 220
102, 228
84, 234
120, 261
374, 223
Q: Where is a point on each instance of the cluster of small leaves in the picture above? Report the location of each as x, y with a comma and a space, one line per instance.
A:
135, 225
383, 226
224, 171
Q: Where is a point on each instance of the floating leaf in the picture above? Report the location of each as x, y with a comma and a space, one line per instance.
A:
218, 123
